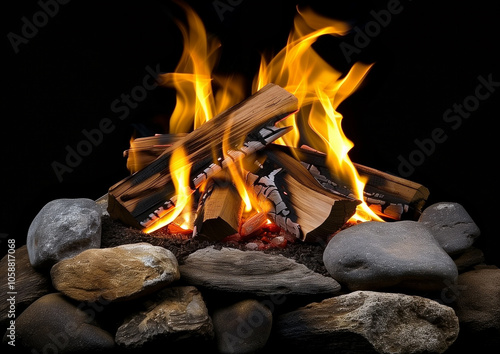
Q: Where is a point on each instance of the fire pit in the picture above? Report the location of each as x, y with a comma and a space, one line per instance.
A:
245, 227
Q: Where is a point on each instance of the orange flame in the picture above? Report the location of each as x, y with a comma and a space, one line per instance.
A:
193, 79
180, 167
320, 89
298, 68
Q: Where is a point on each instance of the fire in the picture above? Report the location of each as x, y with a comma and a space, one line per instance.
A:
194, 81
298, 68
320, 89
180, 167
236, 173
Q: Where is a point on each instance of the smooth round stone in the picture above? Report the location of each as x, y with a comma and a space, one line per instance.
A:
451, 226
243, 327
376, 255
53, 324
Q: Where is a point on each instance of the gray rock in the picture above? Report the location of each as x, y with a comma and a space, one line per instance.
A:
377, 255
29, 284
115, 274
52, 324
255, 272
243, 327
170, 315
366, 321
451, 225
62, 229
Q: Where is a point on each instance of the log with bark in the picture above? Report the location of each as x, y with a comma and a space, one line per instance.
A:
149, 194
145, 150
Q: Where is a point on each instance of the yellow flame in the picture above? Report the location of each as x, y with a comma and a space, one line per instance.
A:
180, 168
236, 173
194, 81
200, 95
320, 89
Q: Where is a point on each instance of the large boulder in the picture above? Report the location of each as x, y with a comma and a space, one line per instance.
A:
451, 226
118, 273
367, 322
62, 229
376, 255
233, 270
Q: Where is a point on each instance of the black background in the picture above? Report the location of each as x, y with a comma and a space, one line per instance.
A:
427, 59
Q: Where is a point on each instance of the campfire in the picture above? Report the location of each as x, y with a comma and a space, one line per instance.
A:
275, 162
247, 228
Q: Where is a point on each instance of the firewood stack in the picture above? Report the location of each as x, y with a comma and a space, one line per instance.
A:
293, 186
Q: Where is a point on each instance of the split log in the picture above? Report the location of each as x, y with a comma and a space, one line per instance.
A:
147, 195
296, 201
387, 195
145, 150
219, 210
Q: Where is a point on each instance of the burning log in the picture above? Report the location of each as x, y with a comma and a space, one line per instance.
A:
296, 201
219, 211
149, 194
145, 150
387, 195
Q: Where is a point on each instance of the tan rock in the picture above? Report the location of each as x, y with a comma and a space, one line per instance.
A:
117, 273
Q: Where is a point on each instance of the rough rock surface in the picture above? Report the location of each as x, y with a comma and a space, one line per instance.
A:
364, 321
451, 226
62, 229
53, 324
376, 255
118, 273
230, 269
243, 327
169, 315
29, 284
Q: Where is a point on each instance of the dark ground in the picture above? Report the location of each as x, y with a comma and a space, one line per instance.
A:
114, 234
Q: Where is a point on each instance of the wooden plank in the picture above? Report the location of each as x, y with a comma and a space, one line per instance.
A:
219, 211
